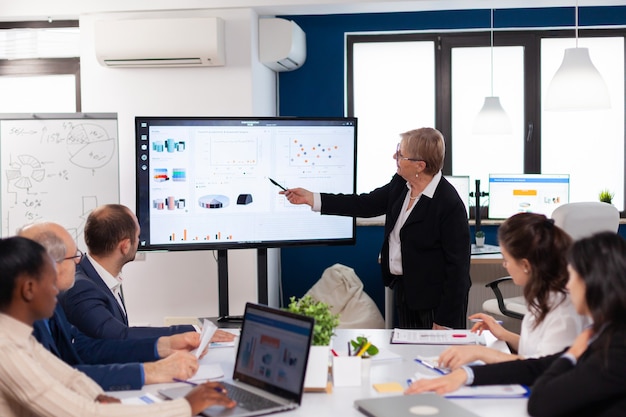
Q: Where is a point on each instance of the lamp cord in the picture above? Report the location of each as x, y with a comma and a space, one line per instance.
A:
492, 52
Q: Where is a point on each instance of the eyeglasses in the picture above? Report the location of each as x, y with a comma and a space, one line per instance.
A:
76, 258
399, 156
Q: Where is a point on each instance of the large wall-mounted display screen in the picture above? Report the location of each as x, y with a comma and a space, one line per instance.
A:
206, 182
534, 193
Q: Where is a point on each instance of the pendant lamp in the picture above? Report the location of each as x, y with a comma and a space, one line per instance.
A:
577, 84
492, 119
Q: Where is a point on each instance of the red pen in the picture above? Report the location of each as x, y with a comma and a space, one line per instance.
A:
333, 352
459, 335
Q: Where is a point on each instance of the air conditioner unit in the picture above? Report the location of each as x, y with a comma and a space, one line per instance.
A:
183, 42
282, 44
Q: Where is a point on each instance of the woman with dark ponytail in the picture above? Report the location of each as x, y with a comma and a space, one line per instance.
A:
534, 252
588, 378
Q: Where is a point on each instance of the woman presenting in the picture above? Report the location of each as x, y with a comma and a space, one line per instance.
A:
425, 255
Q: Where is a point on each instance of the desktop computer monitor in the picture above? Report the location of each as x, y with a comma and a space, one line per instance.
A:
462, 185
533, 193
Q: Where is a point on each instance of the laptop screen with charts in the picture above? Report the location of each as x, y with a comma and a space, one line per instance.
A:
271, 363
428, 404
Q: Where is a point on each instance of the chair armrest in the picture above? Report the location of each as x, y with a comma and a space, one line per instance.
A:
500, 298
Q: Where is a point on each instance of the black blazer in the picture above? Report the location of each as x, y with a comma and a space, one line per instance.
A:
435, 244
595, 386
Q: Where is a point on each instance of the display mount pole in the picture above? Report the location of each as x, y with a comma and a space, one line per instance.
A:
222, 282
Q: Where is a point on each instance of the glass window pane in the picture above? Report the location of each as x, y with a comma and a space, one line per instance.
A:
38, 94
394, 91
477, 155
588, 145
39, 43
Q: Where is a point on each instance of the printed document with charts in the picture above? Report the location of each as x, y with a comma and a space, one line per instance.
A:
436, 337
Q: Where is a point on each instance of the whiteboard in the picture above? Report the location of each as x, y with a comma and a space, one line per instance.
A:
57, 167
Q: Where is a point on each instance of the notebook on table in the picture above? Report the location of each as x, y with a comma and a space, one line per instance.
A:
411, 406
270, 365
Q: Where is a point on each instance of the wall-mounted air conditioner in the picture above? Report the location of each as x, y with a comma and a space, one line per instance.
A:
180, 42
282, 44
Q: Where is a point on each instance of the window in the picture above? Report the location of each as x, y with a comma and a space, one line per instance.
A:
39, 67
388, 100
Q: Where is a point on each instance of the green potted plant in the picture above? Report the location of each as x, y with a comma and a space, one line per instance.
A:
325, 323
480, 238
606, 196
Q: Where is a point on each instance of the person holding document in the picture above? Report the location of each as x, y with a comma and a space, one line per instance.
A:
534, 252
589, 377
426, 249
34, 382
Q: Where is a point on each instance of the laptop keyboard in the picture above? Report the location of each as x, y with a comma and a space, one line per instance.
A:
247, 399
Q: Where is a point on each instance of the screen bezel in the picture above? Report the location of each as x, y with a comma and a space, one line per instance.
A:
143, 211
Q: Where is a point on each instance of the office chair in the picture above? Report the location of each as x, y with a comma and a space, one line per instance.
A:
578, 220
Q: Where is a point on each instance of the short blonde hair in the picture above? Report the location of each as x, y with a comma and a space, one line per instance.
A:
426, 144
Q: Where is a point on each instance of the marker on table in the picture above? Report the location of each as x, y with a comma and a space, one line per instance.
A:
431, 366
184, 381
481, 320
277, 184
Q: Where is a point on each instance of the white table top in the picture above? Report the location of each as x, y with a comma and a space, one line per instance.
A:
341, 401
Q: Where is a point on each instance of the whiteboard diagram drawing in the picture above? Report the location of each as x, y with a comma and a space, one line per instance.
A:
57, 168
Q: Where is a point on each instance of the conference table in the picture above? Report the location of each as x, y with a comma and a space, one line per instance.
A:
340, 401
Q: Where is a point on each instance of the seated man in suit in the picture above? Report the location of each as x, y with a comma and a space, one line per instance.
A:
33, 382
95, 304
98, 357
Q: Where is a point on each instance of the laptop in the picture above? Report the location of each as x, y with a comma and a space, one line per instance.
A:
270, 365
428, 404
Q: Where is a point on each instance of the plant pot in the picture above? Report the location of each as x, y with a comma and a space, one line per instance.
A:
317, 368
480, 242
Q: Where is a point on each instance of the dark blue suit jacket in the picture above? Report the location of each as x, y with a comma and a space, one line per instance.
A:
92, 308
97, 357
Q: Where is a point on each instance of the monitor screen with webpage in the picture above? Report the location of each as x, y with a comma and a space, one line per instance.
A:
533, 193
214, 183
462, 185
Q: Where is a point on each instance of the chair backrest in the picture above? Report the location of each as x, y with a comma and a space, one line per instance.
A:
584, 219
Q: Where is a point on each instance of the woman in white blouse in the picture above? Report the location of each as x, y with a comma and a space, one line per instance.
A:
534, 251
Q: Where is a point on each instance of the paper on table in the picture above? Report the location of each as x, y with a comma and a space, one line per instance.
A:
436, 337
490, 391
208, 329
142, 400
208, 371
235, 332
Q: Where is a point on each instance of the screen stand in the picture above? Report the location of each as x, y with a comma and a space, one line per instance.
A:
222, 283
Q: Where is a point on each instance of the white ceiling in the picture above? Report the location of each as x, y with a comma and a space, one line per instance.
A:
13, 10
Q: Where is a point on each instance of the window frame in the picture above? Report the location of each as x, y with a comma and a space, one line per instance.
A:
43, 66
446, 40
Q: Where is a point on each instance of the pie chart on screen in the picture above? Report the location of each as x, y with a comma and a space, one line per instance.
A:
213, 201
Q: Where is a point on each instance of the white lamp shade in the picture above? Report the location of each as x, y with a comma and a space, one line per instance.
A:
577, 84
492, 119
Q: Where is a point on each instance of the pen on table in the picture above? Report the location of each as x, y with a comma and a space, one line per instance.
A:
481, 320
184, 381
430, 366
277, 184
364, 349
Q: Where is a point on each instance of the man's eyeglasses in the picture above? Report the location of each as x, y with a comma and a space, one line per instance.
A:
399, 156
76, 258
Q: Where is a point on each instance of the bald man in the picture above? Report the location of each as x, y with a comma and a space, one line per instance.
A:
113, 364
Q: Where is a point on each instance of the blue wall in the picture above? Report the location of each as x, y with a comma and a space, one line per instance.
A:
317, 90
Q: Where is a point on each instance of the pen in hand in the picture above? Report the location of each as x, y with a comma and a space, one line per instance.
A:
277, 184
184, 381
